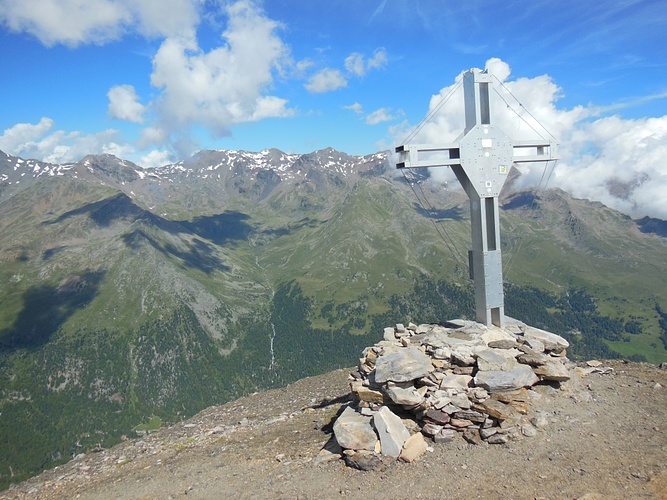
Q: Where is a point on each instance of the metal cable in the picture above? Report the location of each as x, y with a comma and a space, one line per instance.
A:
432, 113
442, 231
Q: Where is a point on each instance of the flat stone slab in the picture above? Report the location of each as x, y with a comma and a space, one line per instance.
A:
403, 393
551, 341
510, 380
490, 359
553, 370
392, 432
402, 366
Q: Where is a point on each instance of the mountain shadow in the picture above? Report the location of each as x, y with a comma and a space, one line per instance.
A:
46, 308
653, 226
520, 200
199, 254
221, 228
105, 212
455, 213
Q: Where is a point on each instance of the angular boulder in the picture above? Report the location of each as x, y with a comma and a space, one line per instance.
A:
403, 365
551, 341
354, 431
391, 430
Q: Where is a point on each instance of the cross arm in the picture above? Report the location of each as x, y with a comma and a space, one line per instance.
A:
427, 155
530, 151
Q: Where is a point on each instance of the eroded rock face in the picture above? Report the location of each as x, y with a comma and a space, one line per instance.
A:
461, 380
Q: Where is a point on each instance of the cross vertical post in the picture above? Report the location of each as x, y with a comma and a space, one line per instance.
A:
481, 160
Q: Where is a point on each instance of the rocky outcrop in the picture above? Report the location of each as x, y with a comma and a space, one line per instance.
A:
461, 379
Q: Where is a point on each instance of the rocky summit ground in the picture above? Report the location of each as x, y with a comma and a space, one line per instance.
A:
605, 438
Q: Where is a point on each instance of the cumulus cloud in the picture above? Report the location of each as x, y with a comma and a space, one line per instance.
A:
616, 161
124, 105
379, 116
378, 60
225, 86
356, 107
356, 64
76, 22
156, 158
58, 146
326, 80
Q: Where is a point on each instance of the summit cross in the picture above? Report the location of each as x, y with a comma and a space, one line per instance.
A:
481, 159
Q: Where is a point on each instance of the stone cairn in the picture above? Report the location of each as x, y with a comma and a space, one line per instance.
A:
440, 382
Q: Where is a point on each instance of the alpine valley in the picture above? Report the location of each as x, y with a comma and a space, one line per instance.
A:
132, 298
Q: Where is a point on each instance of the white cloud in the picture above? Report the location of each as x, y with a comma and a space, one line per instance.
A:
124, 105
379, 116
616, 161
356, 107
354, 63
357, 65
76, 22
326, 80
156, 158
40, 142
157, 18
379, 60
225, 86
13, 139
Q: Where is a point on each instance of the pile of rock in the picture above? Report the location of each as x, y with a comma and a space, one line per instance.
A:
462, 378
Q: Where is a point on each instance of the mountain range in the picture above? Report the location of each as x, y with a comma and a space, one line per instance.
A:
132, 297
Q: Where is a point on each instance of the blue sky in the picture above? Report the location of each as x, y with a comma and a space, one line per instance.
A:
153, 81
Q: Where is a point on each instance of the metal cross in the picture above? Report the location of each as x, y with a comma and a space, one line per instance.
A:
481, 161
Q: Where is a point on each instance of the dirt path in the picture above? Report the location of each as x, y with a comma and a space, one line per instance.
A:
606, 438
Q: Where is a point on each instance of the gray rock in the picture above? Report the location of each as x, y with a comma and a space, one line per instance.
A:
464, 354
389, 334
354, 431
460, 401
445, 436
392, 432
533, 359
487, 432
431, 429
497, 380
455, 382
540, 421
534, 344
551, 341
553, 370
472, 436
490, 360
403, 393
472, 415
402, 366
498, 439
503, 344
528, 430
330, 452
364, 460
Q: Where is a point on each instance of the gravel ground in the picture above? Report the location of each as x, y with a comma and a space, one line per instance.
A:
605, 438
